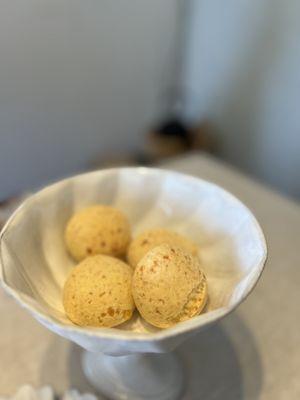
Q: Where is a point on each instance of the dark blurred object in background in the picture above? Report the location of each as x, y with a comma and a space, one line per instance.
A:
174, 138
170, 139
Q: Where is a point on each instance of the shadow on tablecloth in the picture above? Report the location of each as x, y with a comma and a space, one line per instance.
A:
222, 363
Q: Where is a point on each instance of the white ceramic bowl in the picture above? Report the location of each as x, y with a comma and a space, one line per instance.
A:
34, 262
34, 265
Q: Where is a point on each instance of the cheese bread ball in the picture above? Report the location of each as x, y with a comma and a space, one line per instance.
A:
155, 237
98, 292
168, 286
97, 230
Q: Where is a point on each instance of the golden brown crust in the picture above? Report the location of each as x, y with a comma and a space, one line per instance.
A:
97, 230
147, 240
168, 286
98, 292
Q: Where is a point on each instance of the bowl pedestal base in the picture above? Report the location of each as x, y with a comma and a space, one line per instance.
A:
135, 377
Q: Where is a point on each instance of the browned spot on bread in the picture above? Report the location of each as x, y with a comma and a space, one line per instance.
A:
126, 313
111, 311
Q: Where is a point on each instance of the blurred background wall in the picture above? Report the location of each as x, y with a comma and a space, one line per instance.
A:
79, 79
242, 72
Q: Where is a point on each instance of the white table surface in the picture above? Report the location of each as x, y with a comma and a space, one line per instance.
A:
253, 354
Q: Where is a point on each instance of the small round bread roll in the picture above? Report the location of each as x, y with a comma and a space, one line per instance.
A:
168, 286
97, 230
155, 237
98, 292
